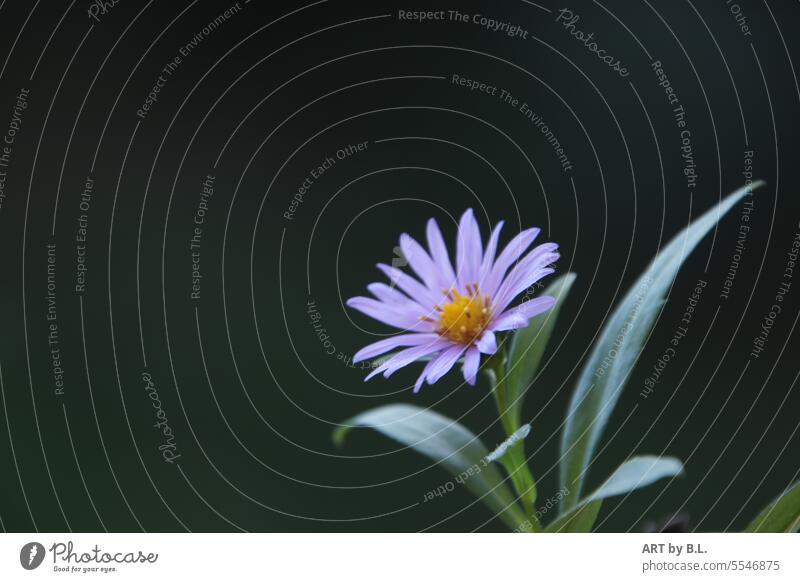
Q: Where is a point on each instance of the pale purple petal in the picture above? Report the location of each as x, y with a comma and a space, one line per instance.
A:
439, 253
533, 259
490, 253
394, 297
472, 360
488, 343
519, 316
512, 251
469, 250
385, 345
422, 264
527, 272
511, 288
421, 379
388, 294
405, 357
509, 320
390, 314
442, 364
535, 306
416, 290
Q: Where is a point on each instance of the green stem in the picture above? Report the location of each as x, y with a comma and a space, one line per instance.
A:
514, 460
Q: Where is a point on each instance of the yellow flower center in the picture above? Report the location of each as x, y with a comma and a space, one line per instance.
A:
464, 318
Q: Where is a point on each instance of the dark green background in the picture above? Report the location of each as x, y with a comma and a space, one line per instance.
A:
255, 444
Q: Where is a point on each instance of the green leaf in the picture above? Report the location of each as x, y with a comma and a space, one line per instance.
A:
527, 348
448, 443
637, 472
780, 516
616, 351
578, 520
633, 474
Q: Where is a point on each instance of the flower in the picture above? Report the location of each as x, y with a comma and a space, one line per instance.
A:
449, 313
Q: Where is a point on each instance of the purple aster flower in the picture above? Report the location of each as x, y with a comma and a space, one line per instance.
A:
449, 313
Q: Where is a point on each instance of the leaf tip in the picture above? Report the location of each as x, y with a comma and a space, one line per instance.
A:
339, 434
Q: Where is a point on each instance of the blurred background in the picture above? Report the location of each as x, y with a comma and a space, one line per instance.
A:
162, 355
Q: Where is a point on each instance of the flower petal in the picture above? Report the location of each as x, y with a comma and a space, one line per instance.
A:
422, 264
490, 253
405, 357
488, 343
509, 290
421, 379
535, 306
392, 315
384, 345
512, 251
388, 294
527, 272
394, 297
519, 316
472, 360
416, 290
442, 364
469, 250
439, 253
509, 320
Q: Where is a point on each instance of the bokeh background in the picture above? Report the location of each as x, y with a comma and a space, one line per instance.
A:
262, 95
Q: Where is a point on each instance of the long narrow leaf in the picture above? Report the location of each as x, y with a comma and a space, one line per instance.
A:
449, 444
578, 520
633, 474
527, 348
780, 516
615, 352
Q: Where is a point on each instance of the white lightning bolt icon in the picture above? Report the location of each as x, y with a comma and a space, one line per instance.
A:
399, 260
34, 551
